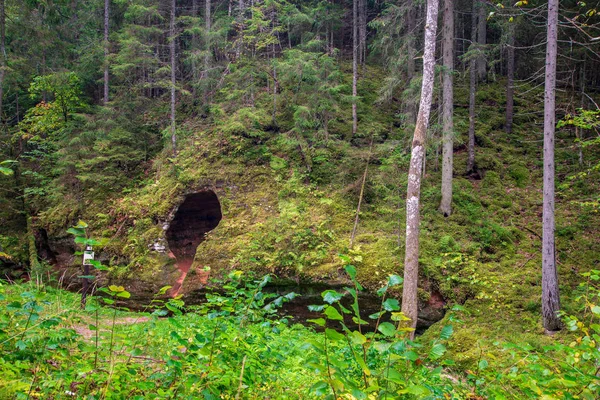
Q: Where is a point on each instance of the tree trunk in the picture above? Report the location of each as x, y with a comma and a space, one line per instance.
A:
510, 77
411, 16
472, 90
447, 107
240, 17
550, 293
106, 20
172, 50
363, 32
481, 40
354, 64
413, 193
3, 56
360, 196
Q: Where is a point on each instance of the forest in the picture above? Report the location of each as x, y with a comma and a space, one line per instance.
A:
286, 199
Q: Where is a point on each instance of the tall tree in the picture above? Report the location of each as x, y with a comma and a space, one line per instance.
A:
354, 64
106, 49
363, 31
481, 41
510, 77
3, 57
472, 90
173, 76
447, 106
413, 192
550, 292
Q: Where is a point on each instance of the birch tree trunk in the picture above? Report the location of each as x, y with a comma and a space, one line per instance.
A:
550, 293
411, 24
413, 192
354, 64
172, 50
510, 78
447, 107
472, 90
106, 20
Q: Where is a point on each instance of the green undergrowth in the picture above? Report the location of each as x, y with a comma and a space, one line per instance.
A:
289, 192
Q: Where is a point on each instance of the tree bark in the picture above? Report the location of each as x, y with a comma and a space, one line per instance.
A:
410, 63
173, 76
510, 77
354, 64
413, 193
550, 292
447, 107
481, 40
472, 90
3, 57
106, 20
363, 32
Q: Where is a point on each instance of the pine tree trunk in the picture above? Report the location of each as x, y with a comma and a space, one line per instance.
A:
3, 56
413, 193
354, 64
172, 50
472, 90
510, 78
447, 107
481, 40
550, 293
106, 20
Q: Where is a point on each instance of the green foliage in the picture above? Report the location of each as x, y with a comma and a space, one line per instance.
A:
64, 88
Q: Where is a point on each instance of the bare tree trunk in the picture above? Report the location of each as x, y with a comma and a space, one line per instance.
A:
413, 192
481, 40
363, 32
354, 64
106, 44
172, 50
550, 293
238, 51
510, 75
3, 56
472, 90
447, 107
411, 24
360, 196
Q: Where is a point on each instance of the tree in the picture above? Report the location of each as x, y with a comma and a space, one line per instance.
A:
510, 77
472, 90
413, 192
63, 86
173, 76
550, 292
481, 40
3, 63
106, 50
354, 64
447, 107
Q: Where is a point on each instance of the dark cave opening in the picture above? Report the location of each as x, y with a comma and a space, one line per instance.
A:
198, 214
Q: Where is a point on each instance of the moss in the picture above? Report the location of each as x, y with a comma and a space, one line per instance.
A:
520, 174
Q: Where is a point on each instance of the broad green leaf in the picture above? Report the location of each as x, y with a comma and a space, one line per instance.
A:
387, 329
331, 296
333, 314
395, 280
316, 307
483, 364
124, 294
351, 270
318, 321
334, 335
357, 338
391, 305
446, 332
116, 289
437, 351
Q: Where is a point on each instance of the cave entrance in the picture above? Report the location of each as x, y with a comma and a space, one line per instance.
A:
198, 214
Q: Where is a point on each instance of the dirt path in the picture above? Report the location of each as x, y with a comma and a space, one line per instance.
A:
105, 325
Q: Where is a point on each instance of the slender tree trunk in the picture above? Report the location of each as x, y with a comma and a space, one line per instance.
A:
447, 107
106, 49
411, 24
3, 57
241, 7
413, 193
173, 77
472, 90
550, 293
510, 75
360, 196
482, 40
363, 32
354, 64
